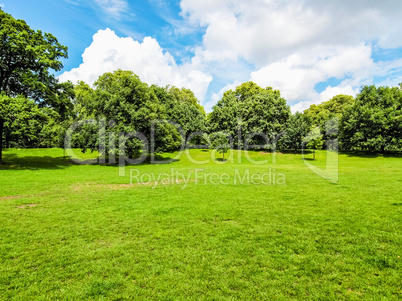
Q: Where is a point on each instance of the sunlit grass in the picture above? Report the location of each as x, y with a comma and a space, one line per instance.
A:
83, 232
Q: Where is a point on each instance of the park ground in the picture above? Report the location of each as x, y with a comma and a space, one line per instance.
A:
82, 232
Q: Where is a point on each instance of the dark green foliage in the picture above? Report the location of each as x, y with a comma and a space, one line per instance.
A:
255, 111
374, 123
126, 106
335, 107
220, 142
183, 108
314, 140
326, 115
25, 125
297, 129
26, 56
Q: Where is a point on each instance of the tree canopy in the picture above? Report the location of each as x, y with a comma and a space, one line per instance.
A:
26, 58
254, 111
121, 110
374, 122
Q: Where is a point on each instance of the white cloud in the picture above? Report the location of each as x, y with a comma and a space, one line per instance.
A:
108, 52
294, 45
114, 8
297, 75
266, 30
291, 45
217, 96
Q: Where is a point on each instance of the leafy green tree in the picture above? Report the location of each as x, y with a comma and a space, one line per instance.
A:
225, 115
23, 121
26, 56
374, 122
297, 129
335, 107
266, 113
314, 140
220, 142
206, 140
183, 108
128, 106
253, 109
184, 95
326, 115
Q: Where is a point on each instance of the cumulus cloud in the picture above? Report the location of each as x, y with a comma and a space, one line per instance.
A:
295, 45
297, 75
291, 45
108, 52
264, 30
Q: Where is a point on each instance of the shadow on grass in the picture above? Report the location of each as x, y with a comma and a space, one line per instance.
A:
284, 151
221, 160
14, 162
360, 154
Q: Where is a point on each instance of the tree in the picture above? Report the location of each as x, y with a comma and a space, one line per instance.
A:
23, 121
335, 107
220, 142
183, 108
225, 115
26, 56
127, 105
264, 117
297, 129
314, 140
374, 122
253, 109
326, 115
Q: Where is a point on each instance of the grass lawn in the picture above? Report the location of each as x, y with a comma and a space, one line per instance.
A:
77, 232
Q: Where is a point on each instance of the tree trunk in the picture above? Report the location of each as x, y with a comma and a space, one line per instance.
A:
314, 154
1, 140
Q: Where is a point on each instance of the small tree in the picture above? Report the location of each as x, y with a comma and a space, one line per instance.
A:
314, 140
206, 140
220, 142
296, 130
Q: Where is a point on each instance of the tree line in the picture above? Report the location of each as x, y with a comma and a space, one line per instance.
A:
36, 110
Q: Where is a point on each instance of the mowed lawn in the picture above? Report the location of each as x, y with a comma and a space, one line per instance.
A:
76, 232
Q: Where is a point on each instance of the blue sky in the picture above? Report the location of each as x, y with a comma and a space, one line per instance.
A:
310, 50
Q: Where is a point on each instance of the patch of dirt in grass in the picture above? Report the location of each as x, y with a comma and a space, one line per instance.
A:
12, 197
26, 206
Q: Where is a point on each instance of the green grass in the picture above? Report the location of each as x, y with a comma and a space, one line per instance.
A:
73, 232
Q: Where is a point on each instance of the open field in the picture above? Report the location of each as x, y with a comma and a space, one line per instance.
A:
79, 232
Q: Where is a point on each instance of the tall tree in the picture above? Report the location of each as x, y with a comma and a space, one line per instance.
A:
26, 57
252, 109
374, 122
129, 106
183, 108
